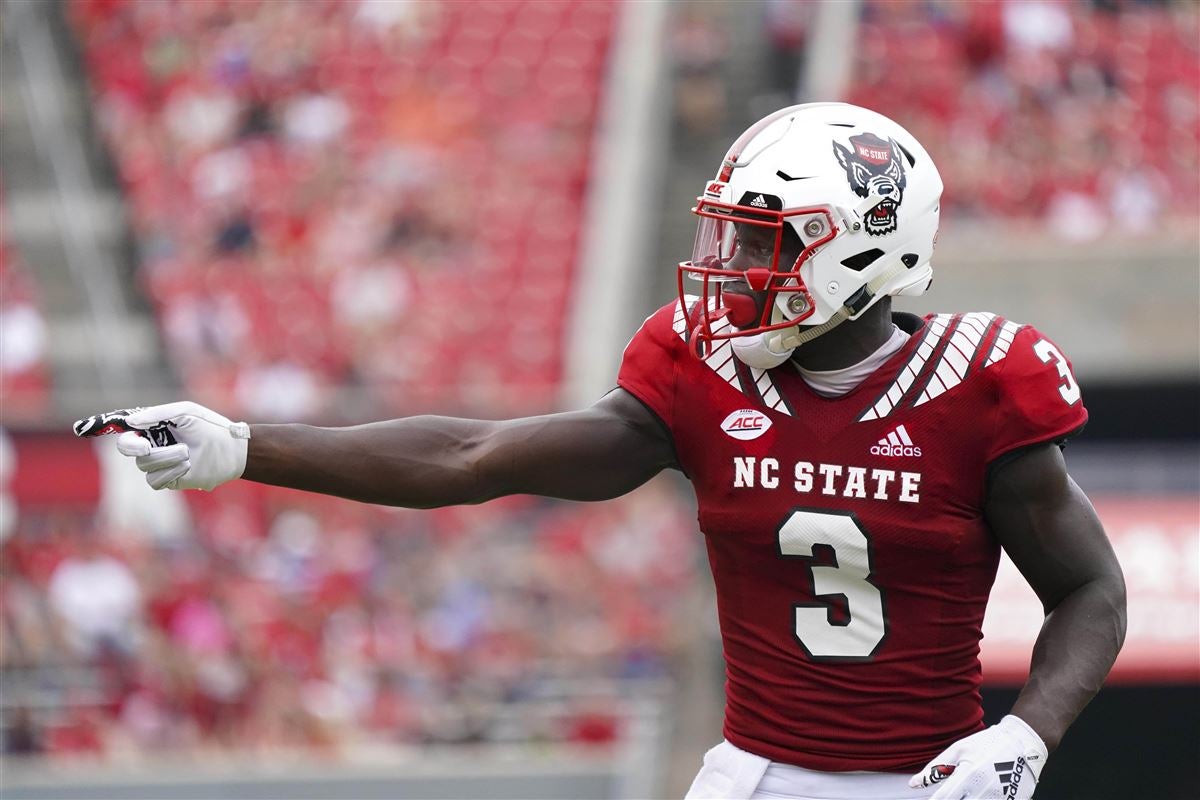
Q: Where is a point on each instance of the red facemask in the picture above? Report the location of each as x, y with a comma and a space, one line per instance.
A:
743, 243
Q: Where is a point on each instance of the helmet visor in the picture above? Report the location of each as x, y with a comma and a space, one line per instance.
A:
735, 239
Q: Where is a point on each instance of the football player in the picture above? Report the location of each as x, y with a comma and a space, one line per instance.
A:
857, 471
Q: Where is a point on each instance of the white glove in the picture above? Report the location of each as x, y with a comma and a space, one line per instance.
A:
1002, 762
193, 447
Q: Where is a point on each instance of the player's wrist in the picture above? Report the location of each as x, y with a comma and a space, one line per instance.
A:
269, 453
1033, 746
1021, 728
241, 453
1039, 721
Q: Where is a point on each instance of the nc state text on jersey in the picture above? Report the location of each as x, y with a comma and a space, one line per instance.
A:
835, 480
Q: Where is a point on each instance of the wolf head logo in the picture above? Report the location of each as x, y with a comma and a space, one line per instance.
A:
875, 167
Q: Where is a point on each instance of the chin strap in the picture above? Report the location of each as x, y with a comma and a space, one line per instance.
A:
789, 339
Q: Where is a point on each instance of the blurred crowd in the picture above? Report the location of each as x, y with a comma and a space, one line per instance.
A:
24, 372
384, 196
1082, 116
282, 620
1086, 116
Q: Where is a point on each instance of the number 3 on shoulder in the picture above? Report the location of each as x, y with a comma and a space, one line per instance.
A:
1047, 352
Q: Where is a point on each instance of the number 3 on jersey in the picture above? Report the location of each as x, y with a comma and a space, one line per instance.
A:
1047, 352
849, 576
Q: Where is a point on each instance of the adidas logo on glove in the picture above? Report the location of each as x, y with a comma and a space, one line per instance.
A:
1009, 773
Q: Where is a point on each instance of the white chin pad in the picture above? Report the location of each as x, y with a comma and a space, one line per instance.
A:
753, 351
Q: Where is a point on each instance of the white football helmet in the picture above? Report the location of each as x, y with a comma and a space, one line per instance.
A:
848, 190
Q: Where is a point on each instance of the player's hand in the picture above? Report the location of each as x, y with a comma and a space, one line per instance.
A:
178, 445
1002, 762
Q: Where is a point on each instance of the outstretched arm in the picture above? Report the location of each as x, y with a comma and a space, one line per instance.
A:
423, 462
1051, 532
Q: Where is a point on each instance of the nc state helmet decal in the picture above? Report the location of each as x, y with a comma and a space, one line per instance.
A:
875, 167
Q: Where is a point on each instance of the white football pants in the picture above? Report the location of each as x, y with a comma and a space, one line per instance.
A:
730, 773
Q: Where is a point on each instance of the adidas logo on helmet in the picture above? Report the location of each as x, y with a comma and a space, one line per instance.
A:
897, 443
759, 202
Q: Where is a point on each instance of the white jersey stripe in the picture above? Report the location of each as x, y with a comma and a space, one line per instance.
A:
728, 371
722, 360
678, 324
978, 322
720, 355
954, 363
964, 345
958, 355
955, 357
948, 376
766, 388
885, 404
943, 379
935, 386
1004, 338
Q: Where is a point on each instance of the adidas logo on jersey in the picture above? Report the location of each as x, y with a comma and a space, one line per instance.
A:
759, 202
896, 443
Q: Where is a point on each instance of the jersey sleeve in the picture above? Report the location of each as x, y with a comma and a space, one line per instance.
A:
650, 364
1039, 399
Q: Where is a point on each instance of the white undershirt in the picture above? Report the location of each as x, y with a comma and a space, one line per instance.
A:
837, 382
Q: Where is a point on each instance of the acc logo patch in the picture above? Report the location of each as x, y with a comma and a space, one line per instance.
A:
746, 424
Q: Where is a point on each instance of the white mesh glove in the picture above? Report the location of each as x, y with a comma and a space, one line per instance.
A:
1002, 762
178, 445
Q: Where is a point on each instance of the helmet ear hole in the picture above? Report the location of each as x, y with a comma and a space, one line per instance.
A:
861, 261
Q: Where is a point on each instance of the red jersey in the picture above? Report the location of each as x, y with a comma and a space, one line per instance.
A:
846, 535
